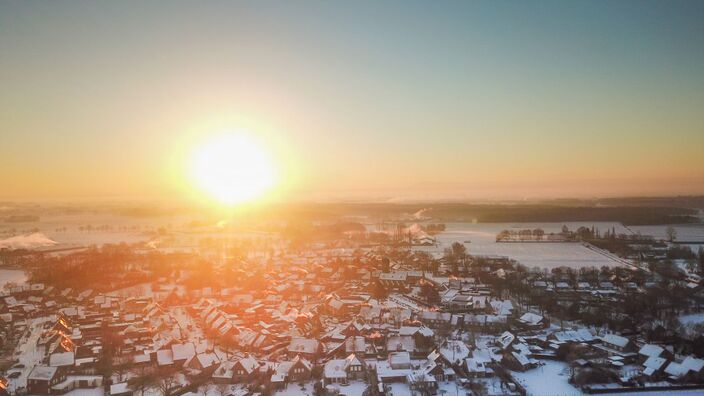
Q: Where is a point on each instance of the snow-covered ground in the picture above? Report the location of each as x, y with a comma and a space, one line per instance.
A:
689, 392
692, 319
550, 379
448, 388
354, 388
86, 392
295, 389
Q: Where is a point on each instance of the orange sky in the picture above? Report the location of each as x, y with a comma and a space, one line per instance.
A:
365, 100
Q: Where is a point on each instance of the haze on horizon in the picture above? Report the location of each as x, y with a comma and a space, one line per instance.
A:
364, 99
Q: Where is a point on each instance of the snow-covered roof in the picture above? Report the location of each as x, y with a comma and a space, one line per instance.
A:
207, 359
531, 318
141, 358
335, 368
614, 339
303, 345
164, 357
61, 359
119, 388
651, 350
522, 359
676, 369
693, 364
506, 339
399, 359
654, 362
183, 351
454, 350
400, 343
580, 335
249, 364
43, 373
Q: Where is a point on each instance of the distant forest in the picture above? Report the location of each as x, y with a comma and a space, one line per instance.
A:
628, 215
629, 211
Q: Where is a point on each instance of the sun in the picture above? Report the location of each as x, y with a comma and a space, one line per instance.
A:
232, 168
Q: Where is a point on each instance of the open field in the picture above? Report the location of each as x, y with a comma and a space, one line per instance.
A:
543, 255
685, 232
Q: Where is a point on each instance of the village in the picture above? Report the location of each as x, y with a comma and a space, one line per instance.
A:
347, 317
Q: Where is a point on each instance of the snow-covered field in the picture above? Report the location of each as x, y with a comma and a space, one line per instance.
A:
482, 239
550, 379
11, 275
93, 228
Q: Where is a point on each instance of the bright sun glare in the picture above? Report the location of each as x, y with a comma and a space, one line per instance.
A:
232, 168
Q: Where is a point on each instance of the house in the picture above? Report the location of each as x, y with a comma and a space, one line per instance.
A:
618, 343
400, 360
477, 365
395, 368
435, 366
519, 361
485, 323
298, 369
422, 336
343, 370
651, 350
223, 374
400, 343
202, 361
244, 369
506, 340
42, 378
435, 319
689, 367
453, 352
572, 336
355, 329
654, 366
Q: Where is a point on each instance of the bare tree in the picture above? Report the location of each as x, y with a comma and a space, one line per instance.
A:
671, 233
145, 379
166, 382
